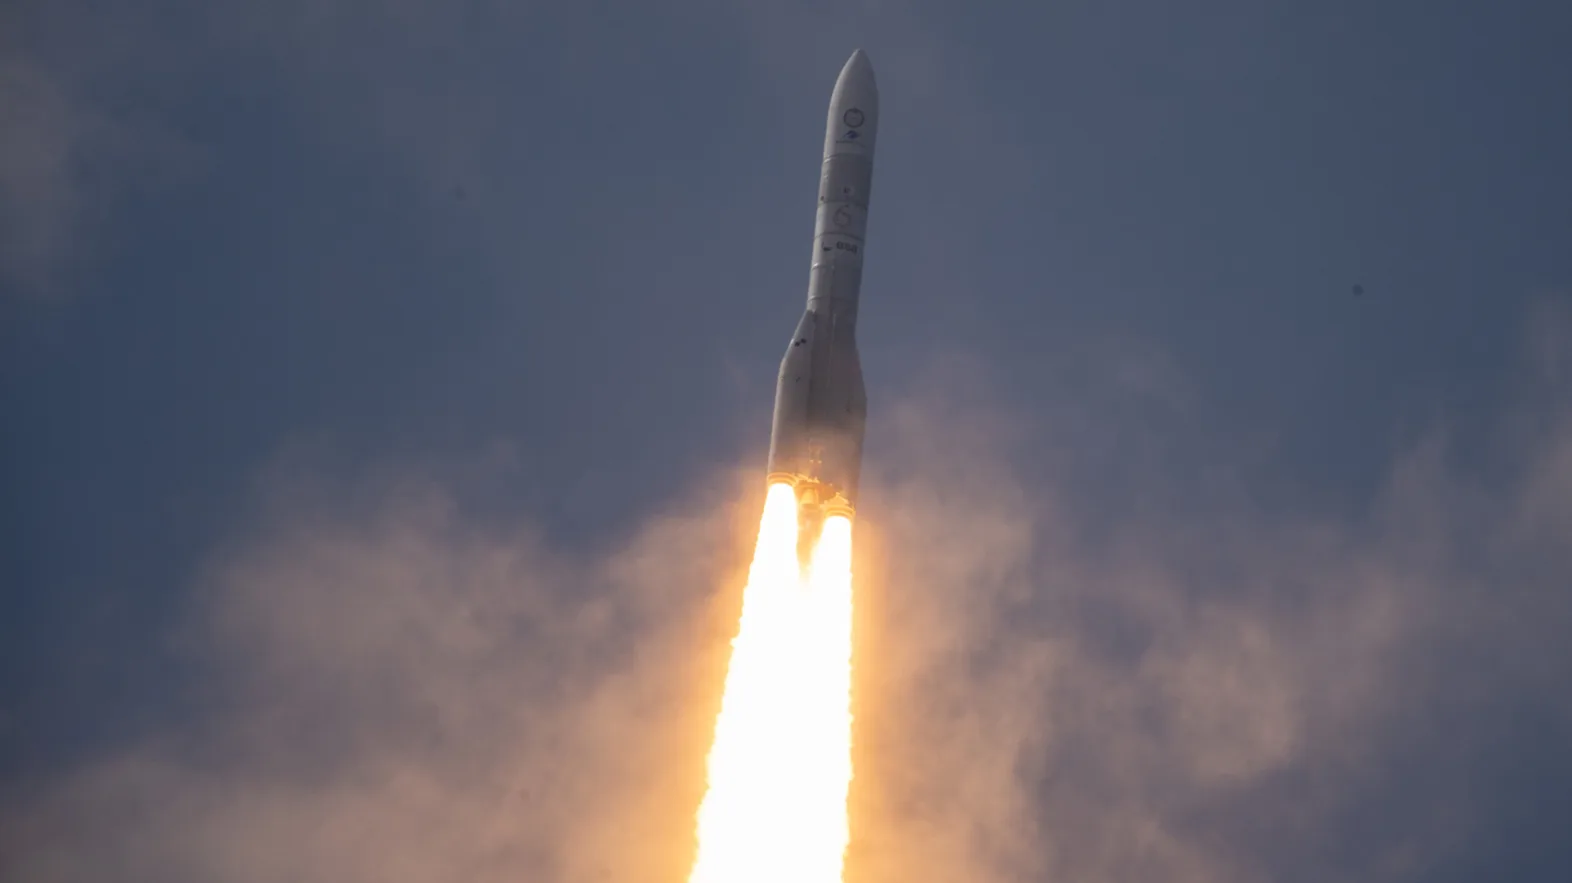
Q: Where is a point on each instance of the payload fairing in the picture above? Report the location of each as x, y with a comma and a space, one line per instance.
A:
820, 404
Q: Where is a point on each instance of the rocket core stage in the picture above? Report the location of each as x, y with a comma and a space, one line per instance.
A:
820, 403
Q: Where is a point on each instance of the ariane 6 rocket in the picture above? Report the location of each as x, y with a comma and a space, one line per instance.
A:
820, 404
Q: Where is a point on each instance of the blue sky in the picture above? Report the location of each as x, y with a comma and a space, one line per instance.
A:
386, 384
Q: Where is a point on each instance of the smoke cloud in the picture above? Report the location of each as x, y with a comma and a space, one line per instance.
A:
396, 689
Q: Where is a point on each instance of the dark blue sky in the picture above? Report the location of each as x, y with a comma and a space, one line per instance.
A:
545, 260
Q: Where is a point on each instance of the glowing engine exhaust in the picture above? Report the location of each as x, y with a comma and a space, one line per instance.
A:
780, 766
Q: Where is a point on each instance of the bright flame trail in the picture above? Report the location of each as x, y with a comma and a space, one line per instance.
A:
781, 763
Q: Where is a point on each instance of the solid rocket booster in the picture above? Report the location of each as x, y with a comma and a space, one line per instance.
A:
820, 404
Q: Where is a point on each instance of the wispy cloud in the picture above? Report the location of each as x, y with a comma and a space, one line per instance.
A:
90, 98
75, 137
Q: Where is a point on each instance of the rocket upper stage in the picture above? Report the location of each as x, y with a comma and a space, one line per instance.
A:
847, 176
820, 403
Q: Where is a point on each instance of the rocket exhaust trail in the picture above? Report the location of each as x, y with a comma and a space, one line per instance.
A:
780, 766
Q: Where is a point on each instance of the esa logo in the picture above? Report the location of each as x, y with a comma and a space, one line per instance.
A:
849, 247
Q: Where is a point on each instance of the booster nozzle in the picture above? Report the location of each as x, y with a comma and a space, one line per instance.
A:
839, 505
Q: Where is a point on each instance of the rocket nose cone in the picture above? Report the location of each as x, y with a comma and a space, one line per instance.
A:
853, 122
858, 69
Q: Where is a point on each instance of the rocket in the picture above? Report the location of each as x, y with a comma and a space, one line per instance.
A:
820, 403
